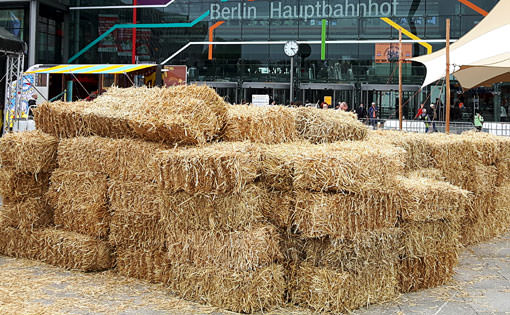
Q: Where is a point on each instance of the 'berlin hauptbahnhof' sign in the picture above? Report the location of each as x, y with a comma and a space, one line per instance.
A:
319, 10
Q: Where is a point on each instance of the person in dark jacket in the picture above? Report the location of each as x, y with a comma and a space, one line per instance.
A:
361, 112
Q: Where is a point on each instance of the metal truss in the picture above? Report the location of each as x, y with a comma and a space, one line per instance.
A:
13, 87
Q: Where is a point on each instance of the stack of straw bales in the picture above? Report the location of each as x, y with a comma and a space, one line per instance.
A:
337, 220
27, 229
430, 214
477, 162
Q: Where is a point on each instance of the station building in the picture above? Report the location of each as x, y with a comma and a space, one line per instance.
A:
347, 48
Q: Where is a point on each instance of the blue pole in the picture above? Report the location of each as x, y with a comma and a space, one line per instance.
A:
69, 97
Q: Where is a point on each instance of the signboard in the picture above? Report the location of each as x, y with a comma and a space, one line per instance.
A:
309, 10
386, 53
328, 100
175, 75
260, 100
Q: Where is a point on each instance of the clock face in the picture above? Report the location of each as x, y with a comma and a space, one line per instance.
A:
291, 48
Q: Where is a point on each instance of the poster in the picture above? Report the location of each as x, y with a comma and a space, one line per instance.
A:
174, 75
105, 22
386, 53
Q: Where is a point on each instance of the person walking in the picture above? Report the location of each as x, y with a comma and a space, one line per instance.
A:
361, 112
426, 119
420, 111
372, 114
478, 122
434, 117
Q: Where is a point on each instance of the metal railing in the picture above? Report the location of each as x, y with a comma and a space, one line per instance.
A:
418, 126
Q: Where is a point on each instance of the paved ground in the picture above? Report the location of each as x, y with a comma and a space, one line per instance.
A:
481, 286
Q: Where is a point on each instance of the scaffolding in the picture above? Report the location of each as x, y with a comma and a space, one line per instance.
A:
13, 84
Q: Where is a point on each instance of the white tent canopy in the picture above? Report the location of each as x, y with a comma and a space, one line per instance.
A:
481, 57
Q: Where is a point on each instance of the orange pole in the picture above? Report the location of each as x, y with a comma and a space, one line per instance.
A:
211, 37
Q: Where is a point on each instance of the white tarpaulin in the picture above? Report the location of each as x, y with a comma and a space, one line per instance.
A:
480, 57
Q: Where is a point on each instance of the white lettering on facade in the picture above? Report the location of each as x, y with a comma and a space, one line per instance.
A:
321, 9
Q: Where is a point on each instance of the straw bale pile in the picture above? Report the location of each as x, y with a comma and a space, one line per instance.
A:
219, 168
190, 115
326, 126
80, 202
260, 124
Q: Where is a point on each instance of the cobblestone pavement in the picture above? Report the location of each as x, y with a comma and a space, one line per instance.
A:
481, 286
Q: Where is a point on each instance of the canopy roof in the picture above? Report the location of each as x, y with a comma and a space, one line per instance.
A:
10, 43
92, 69
481, 57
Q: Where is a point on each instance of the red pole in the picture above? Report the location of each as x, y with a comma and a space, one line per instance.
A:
133, 45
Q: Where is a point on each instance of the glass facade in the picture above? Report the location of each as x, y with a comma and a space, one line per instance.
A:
358, 64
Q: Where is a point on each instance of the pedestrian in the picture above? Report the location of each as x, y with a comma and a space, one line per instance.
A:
426, 119
478, 122
434, 117
324, 105
32, 103
338, 106
361, 112
372, 114
344, 106
420, 111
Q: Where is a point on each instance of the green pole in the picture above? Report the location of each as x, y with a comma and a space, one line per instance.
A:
323, 38
69, 97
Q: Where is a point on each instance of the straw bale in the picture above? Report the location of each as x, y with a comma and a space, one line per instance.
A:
417, 146
123, 159
422, 239
326, 126
216, 168
19, 186
343, 214
260, 124
73, 251
17, 243
215, 102
29, 214
191, 115
212, 212
342, 166
136, 215
487, 217
247, 291
365, 250
474, 177
62, 119
237, 251
28, 152
424, 199
503, 170
426, 272
80, 202
330, 290
59, 248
